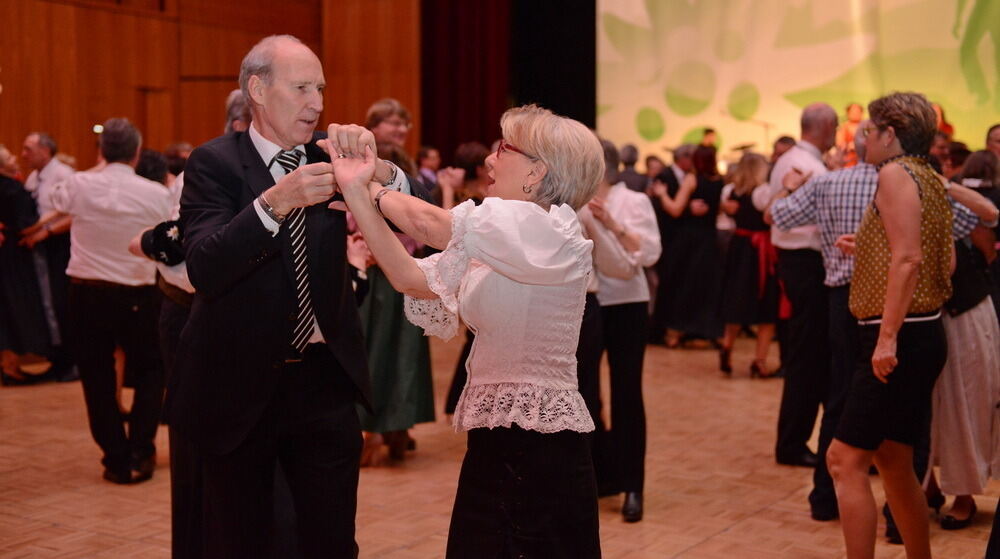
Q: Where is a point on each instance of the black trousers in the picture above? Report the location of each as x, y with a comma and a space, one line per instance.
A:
185, 466
103, 315
311, 428
186, 483
843, 358
620, 455
588, 373
993, 547
807, 356
524, 494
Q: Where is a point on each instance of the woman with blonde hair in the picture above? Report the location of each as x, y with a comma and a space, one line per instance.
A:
515, 269
750, 286
902, 278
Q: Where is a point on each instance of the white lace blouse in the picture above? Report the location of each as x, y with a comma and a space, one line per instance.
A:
517, 275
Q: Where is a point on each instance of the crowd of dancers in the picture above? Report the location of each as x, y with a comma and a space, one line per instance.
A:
278, 286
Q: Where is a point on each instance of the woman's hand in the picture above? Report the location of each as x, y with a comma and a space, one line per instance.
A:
597, 208
698, 207
657, 189
353, 173
795, 178
846, 244
358, 254
884, 358
449, 181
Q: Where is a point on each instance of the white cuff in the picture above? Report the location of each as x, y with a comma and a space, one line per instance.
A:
399, 182
272, 226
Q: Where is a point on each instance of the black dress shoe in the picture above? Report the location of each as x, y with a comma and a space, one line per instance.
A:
949, 522
118, 477
824, 513
725, 365
144, 468
807, 459
632, 509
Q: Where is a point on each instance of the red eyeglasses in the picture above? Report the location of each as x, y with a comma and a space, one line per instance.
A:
507, 146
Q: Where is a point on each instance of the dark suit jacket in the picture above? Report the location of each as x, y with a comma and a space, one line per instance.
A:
230, 358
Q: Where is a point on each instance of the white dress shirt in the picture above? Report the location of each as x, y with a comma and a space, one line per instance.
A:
109, 208
176, 275
678, 172
806, 158
41, 182
268, 150
633, 211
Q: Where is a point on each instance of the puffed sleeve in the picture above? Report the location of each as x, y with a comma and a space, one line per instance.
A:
444, 272
523, 242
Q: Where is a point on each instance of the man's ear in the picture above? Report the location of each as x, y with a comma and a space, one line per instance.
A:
256, 88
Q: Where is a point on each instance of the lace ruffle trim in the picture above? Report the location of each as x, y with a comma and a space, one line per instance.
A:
444, 273
545, 410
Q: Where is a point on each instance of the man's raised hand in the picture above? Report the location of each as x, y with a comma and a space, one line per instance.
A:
309, 184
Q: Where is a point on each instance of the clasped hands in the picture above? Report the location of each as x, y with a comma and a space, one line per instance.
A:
317, 182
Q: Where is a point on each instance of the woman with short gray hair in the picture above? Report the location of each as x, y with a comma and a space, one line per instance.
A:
515, 269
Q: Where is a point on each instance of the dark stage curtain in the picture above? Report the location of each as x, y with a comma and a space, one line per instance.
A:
554, 56
465, 58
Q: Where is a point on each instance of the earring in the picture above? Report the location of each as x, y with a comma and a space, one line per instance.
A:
526, 188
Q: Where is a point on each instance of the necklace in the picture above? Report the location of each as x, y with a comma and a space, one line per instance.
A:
923, 158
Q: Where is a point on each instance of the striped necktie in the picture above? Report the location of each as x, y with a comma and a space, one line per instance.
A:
296, 221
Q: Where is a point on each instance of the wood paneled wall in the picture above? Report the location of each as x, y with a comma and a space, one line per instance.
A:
371, 50
168, 65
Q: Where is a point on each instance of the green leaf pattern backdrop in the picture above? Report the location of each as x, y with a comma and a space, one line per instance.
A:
666, 69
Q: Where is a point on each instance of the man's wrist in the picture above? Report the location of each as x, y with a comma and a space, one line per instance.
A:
385, 173
273, 210
382, 171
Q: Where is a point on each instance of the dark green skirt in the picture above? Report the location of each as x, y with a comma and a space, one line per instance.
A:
399, 360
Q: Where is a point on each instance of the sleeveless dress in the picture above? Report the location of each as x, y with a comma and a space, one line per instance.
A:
693, 269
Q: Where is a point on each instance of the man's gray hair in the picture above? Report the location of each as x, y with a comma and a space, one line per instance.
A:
684, 151
815, 116
120, 140
629, 155
46, 142
258, 61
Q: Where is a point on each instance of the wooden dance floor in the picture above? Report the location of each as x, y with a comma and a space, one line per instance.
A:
713, 490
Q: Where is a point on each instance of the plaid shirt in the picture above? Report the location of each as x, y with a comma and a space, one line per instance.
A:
836, 202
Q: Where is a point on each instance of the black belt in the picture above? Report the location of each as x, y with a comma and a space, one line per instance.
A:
107, 284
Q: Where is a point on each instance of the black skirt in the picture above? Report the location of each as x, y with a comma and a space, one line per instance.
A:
691, 282
742, 300
525, 494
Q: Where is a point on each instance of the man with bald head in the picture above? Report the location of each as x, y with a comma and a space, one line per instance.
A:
806, 351
272, 362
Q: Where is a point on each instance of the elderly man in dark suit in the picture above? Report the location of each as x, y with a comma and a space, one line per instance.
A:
272, 361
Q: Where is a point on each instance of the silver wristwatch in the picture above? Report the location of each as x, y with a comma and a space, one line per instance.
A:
392, 176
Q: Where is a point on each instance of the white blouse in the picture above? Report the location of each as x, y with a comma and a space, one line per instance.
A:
517, 275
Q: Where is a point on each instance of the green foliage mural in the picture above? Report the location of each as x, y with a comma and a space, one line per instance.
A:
668, 68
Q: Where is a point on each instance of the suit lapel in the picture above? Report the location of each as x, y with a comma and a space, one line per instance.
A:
258, 176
